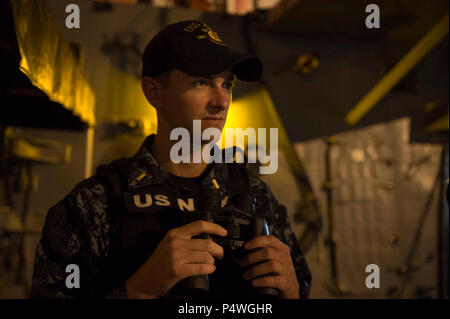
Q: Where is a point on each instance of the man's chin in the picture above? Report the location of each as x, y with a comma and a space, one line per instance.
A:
218, 124
218, 129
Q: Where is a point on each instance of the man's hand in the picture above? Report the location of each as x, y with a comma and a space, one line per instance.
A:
176, 257
274, 258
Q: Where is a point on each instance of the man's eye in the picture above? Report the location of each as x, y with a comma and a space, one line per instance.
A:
201, 83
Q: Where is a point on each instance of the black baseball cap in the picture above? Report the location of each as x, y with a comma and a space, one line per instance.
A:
193, 47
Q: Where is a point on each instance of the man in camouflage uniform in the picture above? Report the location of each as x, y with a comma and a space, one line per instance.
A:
123, 228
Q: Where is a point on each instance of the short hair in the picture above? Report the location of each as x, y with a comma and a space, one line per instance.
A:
164, 78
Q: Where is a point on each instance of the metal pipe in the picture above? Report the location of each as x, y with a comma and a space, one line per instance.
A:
428, 42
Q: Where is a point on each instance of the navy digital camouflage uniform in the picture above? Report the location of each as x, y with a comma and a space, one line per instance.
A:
82, 229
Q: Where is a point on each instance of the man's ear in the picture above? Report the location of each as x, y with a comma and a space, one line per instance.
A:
152, 91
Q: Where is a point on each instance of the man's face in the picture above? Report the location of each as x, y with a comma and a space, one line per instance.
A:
188, 98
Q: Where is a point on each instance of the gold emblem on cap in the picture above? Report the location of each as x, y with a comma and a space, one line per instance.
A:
191, 27
214, 37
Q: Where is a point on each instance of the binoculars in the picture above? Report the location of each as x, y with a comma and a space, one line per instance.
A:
241, 227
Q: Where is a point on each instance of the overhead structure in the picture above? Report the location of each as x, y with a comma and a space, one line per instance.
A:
425, 45
49, 62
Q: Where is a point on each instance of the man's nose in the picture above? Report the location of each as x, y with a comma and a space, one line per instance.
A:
220, 98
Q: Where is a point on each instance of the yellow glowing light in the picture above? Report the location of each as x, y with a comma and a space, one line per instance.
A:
257, 110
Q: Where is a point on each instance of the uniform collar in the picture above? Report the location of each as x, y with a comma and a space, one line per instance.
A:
144, 170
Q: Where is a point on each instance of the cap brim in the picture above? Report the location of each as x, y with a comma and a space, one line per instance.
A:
246, 67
